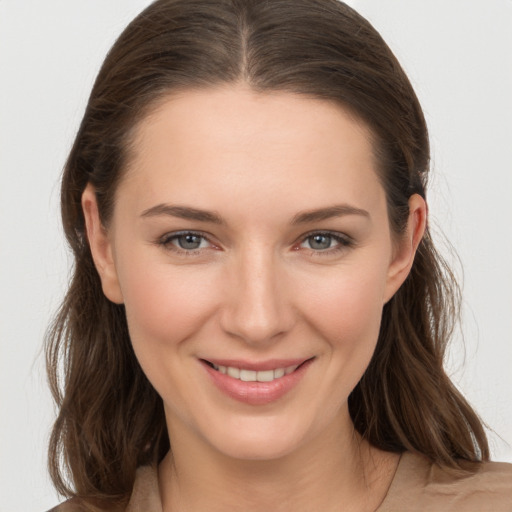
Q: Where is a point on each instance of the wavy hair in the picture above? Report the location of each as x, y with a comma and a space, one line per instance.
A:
110, 419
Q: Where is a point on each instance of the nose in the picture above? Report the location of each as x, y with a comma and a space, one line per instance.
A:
258, 307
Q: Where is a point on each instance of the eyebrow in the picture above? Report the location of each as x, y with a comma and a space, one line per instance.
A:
183, 212
189, 213
339, 210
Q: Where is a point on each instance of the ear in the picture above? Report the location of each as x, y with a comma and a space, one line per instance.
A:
101, 246
403, 255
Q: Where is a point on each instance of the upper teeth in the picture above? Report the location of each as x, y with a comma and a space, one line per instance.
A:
255, 376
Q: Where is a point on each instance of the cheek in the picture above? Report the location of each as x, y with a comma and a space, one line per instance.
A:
346, 311
164, 305
348, 305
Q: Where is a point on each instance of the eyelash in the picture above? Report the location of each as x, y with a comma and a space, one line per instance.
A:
344, 242
166, 242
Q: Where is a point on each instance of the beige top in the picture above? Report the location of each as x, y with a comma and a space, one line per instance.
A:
418, 486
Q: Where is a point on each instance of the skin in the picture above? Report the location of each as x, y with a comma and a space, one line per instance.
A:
257, 288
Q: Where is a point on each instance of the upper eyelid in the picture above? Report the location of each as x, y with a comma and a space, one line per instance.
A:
206, 235
174, 234
334, 234
323, 232
167, 238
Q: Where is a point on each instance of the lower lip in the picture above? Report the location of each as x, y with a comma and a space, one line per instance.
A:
256, 393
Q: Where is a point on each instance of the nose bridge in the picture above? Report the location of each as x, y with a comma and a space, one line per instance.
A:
258, 308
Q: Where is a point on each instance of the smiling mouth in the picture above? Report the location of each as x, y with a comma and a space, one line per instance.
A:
253, 375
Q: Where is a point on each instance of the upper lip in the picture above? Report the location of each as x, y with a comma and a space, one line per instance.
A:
270, 364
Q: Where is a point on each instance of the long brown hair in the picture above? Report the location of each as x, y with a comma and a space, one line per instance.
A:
110, 419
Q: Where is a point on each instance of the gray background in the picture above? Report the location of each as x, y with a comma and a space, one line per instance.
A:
458, 56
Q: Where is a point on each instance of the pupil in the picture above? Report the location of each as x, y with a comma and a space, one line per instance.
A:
189, 241
320, 242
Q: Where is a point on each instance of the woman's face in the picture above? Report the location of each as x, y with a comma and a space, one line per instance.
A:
251, 247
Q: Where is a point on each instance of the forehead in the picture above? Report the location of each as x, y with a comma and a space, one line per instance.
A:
234, 141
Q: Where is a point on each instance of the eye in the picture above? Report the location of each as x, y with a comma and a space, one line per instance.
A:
326, 242
319, 241
185, 241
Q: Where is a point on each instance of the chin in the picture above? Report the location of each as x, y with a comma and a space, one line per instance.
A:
262, 439
257, 448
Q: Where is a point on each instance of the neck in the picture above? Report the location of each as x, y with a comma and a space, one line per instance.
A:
336, 467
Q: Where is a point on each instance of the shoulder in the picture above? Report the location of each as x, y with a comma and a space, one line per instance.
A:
72, 505
145, 496
422, 486
77, 505
488, 488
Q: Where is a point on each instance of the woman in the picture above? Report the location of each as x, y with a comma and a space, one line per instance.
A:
257, 316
